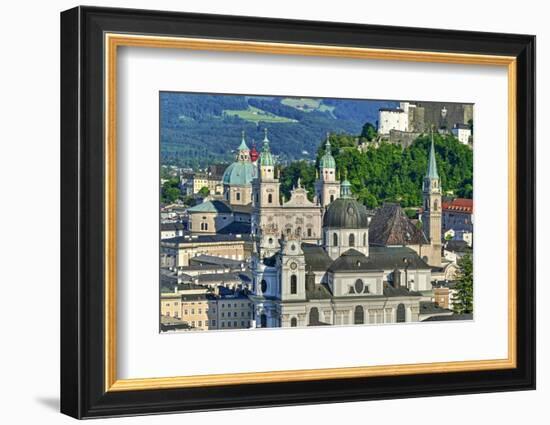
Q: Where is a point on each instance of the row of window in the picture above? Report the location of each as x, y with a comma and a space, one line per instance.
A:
236, 324
358, 316
351, 239
235, 305
235, 314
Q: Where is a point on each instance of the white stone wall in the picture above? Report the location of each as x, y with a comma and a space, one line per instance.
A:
462, 134
392, 120
361, 243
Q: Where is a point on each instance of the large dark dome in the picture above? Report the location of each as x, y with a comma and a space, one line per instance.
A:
346, 213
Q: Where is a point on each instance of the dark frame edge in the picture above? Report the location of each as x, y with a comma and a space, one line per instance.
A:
526, 209
70, 382
82, 389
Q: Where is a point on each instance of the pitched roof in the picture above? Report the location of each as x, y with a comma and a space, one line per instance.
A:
457, 246
459, 205
198, 238
468, 316
171, 226
316, 257
390, 226
224, 277
380, 258
215, 260
429, 307
213, 206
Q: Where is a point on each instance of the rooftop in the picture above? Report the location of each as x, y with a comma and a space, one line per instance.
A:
193, 239
171, 226
380, 258
468, 316
429, 307
390, 226
459, 205
316, 257
457, 246
213, 206
217, 261
224, 277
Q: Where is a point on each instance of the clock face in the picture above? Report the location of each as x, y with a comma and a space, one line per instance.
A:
293, 266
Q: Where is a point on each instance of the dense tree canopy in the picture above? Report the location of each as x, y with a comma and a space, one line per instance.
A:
170, 191
387, 172
463, 299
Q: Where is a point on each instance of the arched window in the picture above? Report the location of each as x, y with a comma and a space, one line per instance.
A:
331, 198
364, 239
309, 232
205, 226
269, 198
400, 313
293, 322
352, 240
335, 239
238, 196
359, 315
314, 316
263, 286
298, 231
263, 321
293, 284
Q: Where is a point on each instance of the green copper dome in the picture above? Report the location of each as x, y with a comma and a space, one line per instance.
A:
327, 160
266, 159
240, 173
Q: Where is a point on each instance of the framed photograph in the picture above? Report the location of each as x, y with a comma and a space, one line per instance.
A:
261, 212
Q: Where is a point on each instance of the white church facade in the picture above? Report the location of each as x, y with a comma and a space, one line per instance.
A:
313, 264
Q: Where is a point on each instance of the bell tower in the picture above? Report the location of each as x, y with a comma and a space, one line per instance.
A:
265, 203
293, 269
327, 186
431, 216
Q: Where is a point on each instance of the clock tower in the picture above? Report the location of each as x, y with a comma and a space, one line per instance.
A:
292, 265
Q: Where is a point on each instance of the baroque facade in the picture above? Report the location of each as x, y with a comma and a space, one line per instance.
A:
312, 263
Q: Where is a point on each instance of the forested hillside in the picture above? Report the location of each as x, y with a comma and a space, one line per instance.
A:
388, 172
198, 129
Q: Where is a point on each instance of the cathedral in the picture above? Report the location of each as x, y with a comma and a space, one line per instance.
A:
313, 262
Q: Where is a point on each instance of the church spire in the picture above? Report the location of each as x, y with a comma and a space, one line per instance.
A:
243, 146
432, 164
327, 160
266, 159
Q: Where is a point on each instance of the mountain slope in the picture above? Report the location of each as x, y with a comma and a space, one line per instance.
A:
198, 129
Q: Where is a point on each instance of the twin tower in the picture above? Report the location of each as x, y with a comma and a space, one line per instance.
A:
302, 219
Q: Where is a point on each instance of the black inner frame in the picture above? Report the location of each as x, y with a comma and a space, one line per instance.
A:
82, 208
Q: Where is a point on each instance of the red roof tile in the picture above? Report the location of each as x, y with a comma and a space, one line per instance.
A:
459, 205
